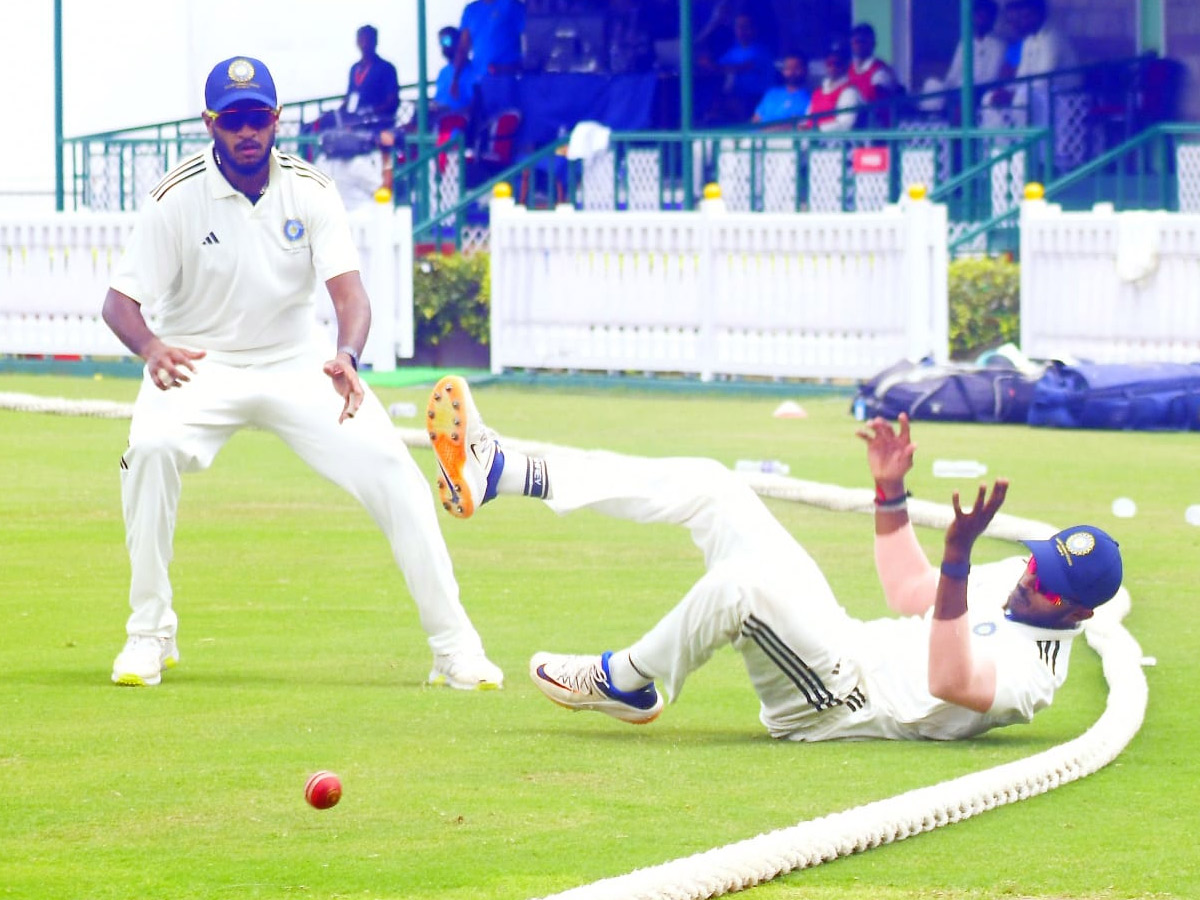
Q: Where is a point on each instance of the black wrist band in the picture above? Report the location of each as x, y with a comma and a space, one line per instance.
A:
956, 570
349, 351
890, 502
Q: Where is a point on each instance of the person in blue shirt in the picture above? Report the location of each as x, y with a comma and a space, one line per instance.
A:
489, 39
749, 71
444, 100
789, 100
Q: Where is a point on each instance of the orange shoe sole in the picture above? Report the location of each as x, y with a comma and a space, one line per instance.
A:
447, 434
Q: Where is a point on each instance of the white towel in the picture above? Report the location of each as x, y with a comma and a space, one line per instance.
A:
587, 139
1137, 245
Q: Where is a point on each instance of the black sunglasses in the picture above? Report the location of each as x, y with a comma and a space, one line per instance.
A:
257, 118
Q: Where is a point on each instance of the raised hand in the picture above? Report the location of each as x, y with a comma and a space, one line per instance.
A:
889, 450
968, 525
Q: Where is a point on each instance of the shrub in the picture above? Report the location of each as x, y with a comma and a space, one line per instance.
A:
451, 293
985, 309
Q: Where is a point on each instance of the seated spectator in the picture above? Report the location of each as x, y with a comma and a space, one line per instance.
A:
443, 100
835, 103
748, 70
873, 78
789, 100
489, 40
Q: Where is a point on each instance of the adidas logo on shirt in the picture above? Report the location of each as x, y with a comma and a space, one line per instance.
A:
211, 239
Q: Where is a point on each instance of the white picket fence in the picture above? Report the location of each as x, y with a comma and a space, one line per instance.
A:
1109, 287
712, 293
55, 270
716, 293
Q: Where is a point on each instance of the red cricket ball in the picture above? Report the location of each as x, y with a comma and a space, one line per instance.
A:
323, 790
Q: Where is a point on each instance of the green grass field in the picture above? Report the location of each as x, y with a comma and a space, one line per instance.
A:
301, 651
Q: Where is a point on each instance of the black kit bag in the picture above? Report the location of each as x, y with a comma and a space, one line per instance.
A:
1118, 396
947, 392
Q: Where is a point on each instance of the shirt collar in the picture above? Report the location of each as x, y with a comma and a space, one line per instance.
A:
219, 185
1045, 634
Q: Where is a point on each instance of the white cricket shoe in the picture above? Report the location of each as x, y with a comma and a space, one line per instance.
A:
583, 682
143, 660
469, 459
466, 672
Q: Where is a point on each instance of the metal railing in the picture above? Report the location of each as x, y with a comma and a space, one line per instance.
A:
761, 172
1145, 172
114, 169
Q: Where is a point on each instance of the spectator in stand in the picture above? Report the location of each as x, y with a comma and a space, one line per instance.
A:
875, 80
373, 91
749, 71
444, 101
835, 102
988, 50
789, 100
489, 40
989, 59
1043, 47
1043, 50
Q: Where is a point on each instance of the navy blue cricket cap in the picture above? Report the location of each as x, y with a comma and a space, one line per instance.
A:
239, 78
1082, 563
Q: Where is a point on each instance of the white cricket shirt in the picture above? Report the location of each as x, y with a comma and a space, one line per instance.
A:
1031, 664
234, 278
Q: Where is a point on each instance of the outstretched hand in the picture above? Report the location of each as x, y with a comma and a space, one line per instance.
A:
889, 450
346, 382
970, 524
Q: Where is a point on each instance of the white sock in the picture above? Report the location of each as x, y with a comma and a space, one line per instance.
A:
625, 675
525, 475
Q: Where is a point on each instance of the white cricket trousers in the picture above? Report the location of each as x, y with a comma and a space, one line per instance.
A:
762, 592
182, 429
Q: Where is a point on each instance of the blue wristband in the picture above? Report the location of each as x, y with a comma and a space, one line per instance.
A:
956, 570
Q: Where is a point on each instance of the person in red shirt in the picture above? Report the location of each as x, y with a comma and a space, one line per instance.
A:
874, 79
834, 103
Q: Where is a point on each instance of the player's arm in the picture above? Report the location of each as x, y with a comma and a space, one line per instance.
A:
956, 675
908, 579
149, 265
352, 308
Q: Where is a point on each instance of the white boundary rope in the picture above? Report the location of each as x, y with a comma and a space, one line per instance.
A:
747, 863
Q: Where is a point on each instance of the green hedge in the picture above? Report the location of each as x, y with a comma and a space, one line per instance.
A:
451, 293
985, 308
